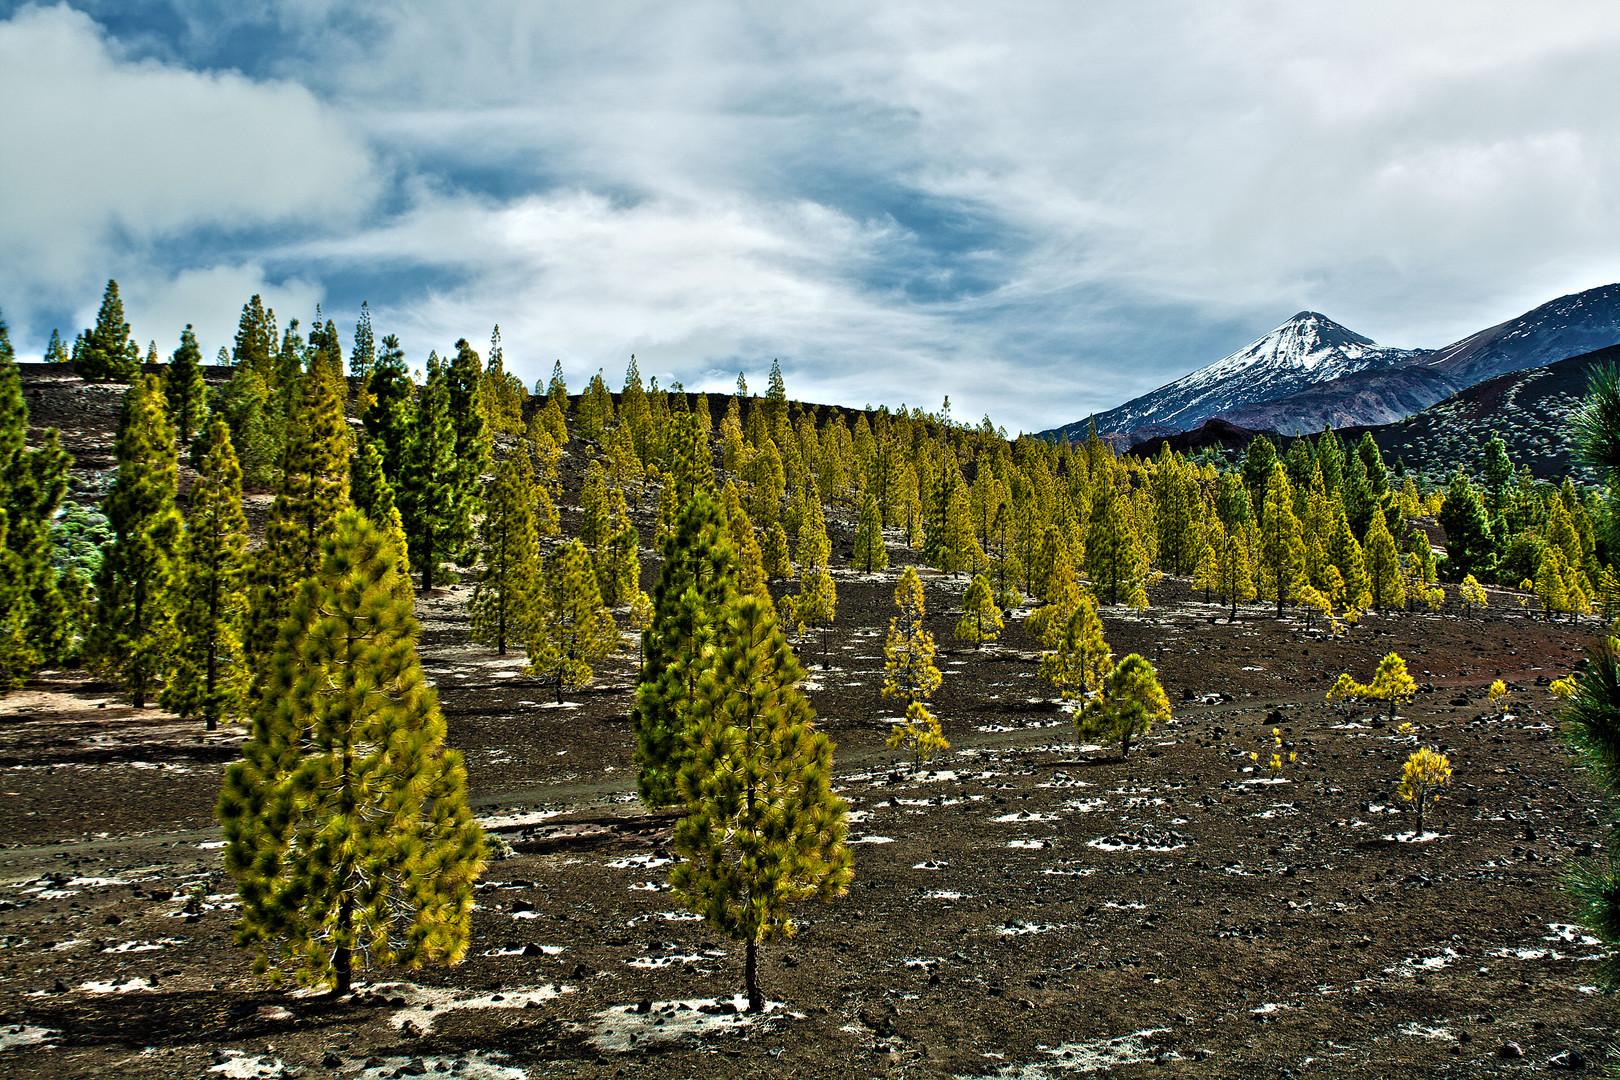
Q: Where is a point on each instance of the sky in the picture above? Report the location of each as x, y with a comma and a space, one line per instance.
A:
1039, 210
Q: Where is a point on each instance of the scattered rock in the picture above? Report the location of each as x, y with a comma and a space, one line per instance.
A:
1510, 1050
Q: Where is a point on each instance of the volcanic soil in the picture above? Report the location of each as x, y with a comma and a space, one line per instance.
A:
1023, 907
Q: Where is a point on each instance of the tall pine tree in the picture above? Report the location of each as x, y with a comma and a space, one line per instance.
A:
763, 829
106, 352
505, 591
134, 606
207, 678
346, 821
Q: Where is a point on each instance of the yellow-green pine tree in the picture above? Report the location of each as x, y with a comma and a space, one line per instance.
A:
570, 629
504, 590
206, 677
762, 829
346, 822
981, 618
1130, 703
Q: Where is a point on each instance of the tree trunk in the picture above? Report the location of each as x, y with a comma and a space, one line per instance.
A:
427, 562
756, 998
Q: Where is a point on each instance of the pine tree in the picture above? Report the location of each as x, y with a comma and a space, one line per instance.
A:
1115, 560
1130, 703
363, 358
870, 552
464, 378
1470, 547
134, 606
504, 590
570, 629
1345, 554
36, 618
762, 829
1234, 567
389, 414
429, 499
1592, 728
1383, 566
595, 413
1078, 660
106, 352
346, 822
311, 491
1282, 547
908, 670
244, 402
184, 387
56, 350
777, 562
207, 678
1390, 683
698, 579
816, 604
373, 495
981, 618
501, 392
257, 340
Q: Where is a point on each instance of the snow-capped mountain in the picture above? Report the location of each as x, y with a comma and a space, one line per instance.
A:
1306, 350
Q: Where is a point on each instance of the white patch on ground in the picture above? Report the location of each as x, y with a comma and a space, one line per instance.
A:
672, 960
14, 1035
1570, 933
1018, 929
1085, 806
942, 894
209, 845
1024, 815
855, 817
480, 1066
1094, 1056
651, 886
143, 946
244, 1066
667, 916
545, 950
1423, 1031
1032, 845
622, 1028
1129, 905
641, 862
1268, 1008
931, 864
1408, 838
123, 986
517, 819
1269, 780
559, 705
1070, 871
1103, 844
425, 1003
872, 840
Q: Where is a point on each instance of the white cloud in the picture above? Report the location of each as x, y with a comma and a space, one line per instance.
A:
103, 154
900, 200
158, 306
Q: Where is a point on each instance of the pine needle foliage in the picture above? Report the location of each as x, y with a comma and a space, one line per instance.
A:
134, 608
106, 352
698, 579
346, 822
207, 678
569, 628
504, 592
1130, 703
981, 618
762, 830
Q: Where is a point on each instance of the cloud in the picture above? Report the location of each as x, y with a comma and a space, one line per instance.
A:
106, 157
1040, 210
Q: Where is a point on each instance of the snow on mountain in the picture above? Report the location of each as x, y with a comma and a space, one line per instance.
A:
1306, 350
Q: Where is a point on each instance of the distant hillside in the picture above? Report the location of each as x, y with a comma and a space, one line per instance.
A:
1365, 397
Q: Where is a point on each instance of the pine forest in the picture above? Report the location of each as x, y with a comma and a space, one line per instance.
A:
380, 714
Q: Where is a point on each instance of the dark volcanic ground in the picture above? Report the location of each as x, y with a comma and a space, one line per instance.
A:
1021, 909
